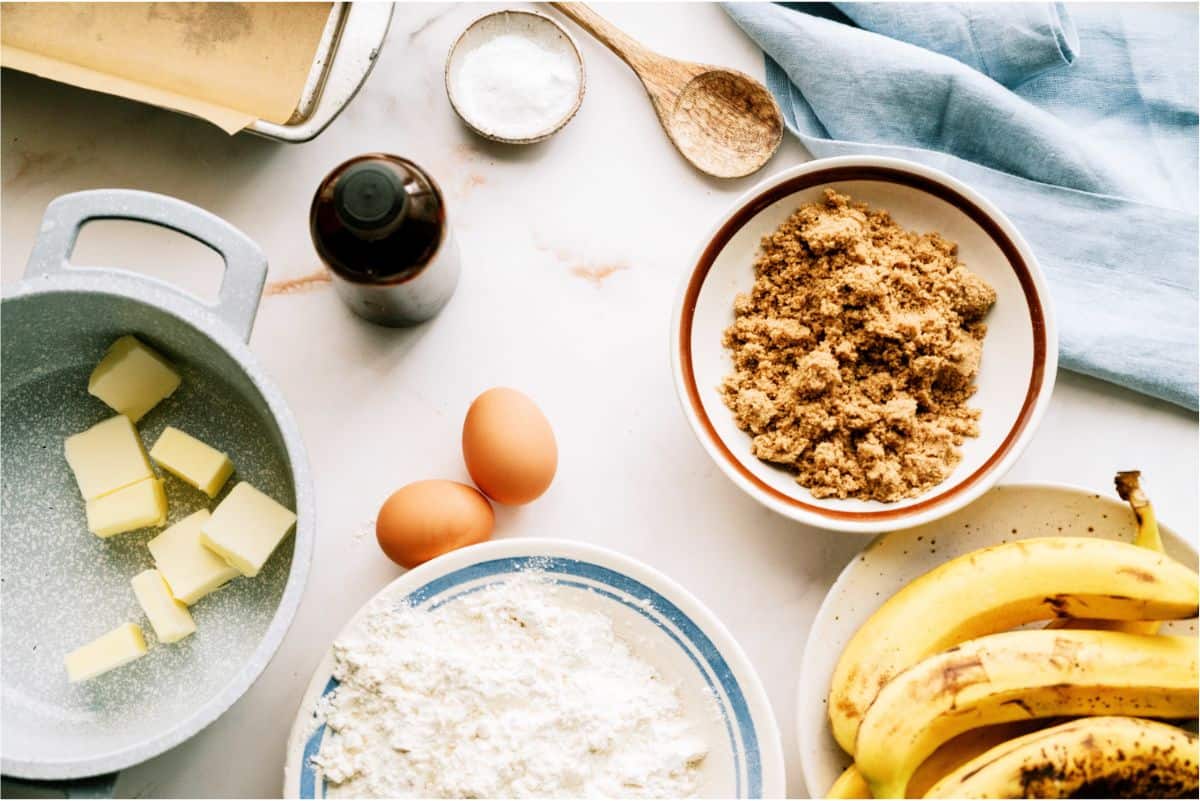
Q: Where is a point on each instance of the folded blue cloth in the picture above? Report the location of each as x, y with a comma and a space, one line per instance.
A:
1082, 127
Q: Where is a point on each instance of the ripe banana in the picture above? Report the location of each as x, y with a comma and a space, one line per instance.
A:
850, 784
959, 751
1128, 483
962, 749
996, 589
1020, 675
1105, 757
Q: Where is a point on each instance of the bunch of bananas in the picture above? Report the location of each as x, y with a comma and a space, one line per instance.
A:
963, 706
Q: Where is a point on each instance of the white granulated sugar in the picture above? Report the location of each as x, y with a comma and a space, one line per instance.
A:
504, 692
514, 87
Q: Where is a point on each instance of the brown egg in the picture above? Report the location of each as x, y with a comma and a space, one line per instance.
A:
429, 518
509, 446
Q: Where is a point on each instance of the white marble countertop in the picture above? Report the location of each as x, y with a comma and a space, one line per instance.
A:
573, 250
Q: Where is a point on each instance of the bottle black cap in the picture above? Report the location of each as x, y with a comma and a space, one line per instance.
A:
369, 196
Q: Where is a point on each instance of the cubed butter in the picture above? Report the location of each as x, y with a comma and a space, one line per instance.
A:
169, 618
190, 570
107, 457
184, 456
119, 647
132, 378
246, 527
129, 508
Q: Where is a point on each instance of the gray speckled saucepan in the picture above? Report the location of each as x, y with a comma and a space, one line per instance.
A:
61, 585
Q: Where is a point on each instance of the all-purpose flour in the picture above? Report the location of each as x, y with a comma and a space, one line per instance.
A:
505, 692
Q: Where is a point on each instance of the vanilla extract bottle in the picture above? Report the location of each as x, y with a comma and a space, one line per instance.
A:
379, 223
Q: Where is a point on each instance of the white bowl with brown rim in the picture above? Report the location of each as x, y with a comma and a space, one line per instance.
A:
1020, 352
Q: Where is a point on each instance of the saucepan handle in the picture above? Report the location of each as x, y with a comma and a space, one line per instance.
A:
245, 264
91, 787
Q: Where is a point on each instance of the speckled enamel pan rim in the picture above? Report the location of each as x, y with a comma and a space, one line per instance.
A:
540, 136
944, 499
167, 299
709, 644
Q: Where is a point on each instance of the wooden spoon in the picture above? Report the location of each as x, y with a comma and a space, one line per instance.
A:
723, 121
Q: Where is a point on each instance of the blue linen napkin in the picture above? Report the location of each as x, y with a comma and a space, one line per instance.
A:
1081, 126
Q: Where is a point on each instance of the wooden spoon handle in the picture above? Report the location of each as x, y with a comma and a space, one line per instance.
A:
627, 48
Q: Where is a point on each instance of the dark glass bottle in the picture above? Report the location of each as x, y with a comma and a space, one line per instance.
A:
379, 223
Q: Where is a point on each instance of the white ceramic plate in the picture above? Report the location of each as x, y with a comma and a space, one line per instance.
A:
1010, 512
663, 623
1020, 354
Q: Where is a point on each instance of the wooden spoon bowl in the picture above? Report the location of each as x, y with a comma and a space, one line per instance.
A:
723, 121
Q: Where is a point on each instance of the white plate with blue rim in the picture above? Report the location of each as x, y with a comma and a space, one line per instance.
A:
662, 623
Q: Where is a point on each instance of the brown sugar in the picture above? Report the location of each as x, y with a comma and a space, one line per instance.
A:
856, 351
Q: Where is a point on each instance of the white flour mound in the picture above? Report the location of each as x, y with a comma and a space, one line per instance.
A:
506, 692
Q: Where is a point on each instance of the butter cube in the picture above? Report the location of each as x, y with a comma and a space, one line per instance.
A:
246, 527
107, 457
129, 508
132, 378
169, 618
190, 570
184, 456
119, 647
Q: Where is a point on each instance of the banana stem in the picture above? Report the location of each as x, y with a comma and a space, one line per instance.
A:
1129, 487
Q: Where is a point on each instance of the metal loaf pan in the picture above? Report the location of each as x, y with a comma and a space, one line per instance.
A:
349, 45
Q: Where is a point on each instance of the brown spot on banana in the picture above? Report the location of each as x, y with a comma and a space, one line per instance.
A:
847, 708
1058, 605
1140, 575
959, 674
1065, 652
1024, 707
